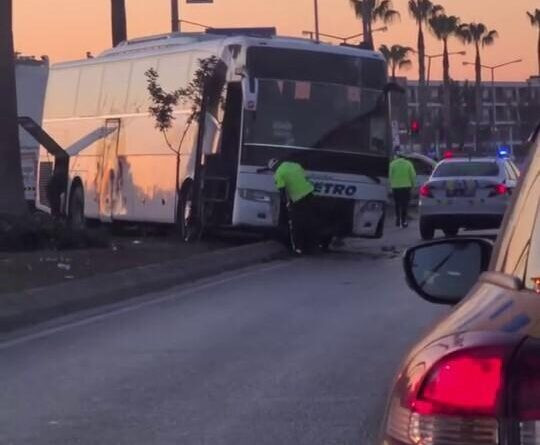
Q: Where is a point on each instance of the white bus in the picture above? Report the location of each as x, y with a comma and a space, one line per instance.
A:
286, 98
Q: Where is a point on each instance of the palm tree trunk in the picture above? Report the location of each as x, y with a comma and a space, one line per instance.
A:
421, 55
422, 93
118, 19
394, 68
478, 94
366, 22
12, 201
447, 110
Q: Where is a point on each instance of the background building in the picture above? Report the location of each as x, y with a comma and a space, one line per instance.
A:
510, 111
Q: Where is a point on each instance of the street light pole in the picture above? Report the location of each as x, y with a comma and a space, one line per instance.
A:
343, 39
317, 33
492, 68
431, 57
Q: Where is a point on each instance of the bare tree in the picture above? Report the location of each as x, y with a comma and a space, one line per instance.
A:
12, 201
118, 21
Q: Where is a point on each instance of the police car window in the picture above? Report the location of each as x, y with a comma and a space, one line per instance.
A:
509, 172
515, 169
468, 168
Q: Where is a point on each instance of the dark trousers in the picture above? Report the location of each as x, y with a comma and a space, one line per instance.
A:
302, 224
402, 197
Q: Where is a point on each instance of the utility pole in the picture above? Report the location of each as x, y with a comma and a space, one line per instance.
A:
119, 21
317, 33
175, 16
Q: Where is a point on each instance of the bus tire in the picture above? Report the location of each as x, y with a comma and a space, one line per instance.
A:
76, 217
427, 231
188, 229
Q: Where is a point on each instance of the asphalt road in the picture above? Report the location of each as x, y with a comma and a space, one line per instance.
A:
298, 352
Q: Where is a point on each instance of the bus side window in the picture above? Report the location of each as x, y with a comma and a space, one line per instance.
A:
138, 97
115, 88
61, 93
89, 90
173, 72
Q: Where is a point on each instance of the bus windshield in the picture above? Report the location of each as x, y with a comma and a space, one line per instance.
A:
316, 66
317, 115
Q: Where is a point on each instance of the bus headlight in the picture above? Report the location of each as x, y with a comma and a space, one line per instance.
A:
255, 195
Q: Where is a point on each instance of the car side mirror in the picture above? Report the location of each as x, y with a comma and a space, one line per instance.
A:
444, 271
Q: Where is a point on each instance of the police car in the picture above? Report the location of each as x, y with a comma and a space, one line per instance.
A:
468, 192
475, 378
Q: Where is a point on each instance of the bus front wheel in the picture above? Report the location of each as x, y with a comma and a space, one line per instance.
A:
189, 228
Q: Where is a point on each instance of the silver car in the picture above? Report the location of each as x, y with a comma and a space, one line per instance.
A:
470, 193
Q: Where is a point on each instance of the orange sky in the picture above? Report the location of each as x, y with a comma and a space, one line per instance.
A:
66, 29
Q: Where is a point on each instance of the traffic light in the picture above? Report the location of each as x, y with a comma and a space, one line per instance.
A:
415, 126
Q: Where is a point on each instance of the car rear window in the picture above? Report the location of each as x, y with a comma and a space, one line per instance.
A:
469, 168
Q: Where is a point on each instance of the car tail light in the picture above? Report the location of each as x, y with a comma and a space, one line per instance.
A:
452, 386
457, 402
525, 392
499, 190
425, 191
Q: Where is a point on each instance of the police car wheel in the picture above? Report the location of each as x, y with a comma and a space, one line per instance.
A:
450, 231
427, 231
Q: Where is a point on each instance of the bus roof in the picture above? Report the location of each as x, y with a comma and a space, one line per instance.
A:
170, 43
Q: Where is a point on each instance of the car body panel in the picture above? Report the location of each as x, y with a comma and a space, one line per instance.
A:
500, 310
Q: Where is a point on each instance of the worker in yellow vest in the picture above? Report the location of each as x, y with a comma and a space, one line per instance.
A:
402, 176
291, 180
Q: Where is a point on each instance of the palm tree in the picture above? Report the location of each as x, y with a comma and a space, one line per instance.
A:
397, 57
11, 182
421, 11
477, 34
371, 12
118, 19
443, 27
534, 17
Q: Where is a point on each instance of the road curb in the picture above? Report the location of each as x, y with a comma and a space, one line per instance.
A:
20, 309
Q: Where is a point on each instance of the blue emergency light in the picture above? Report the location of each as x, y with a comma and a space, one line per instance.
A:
503, 152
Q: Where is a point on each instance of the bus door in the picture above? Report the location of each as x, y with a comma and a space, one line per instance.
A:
108, 188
